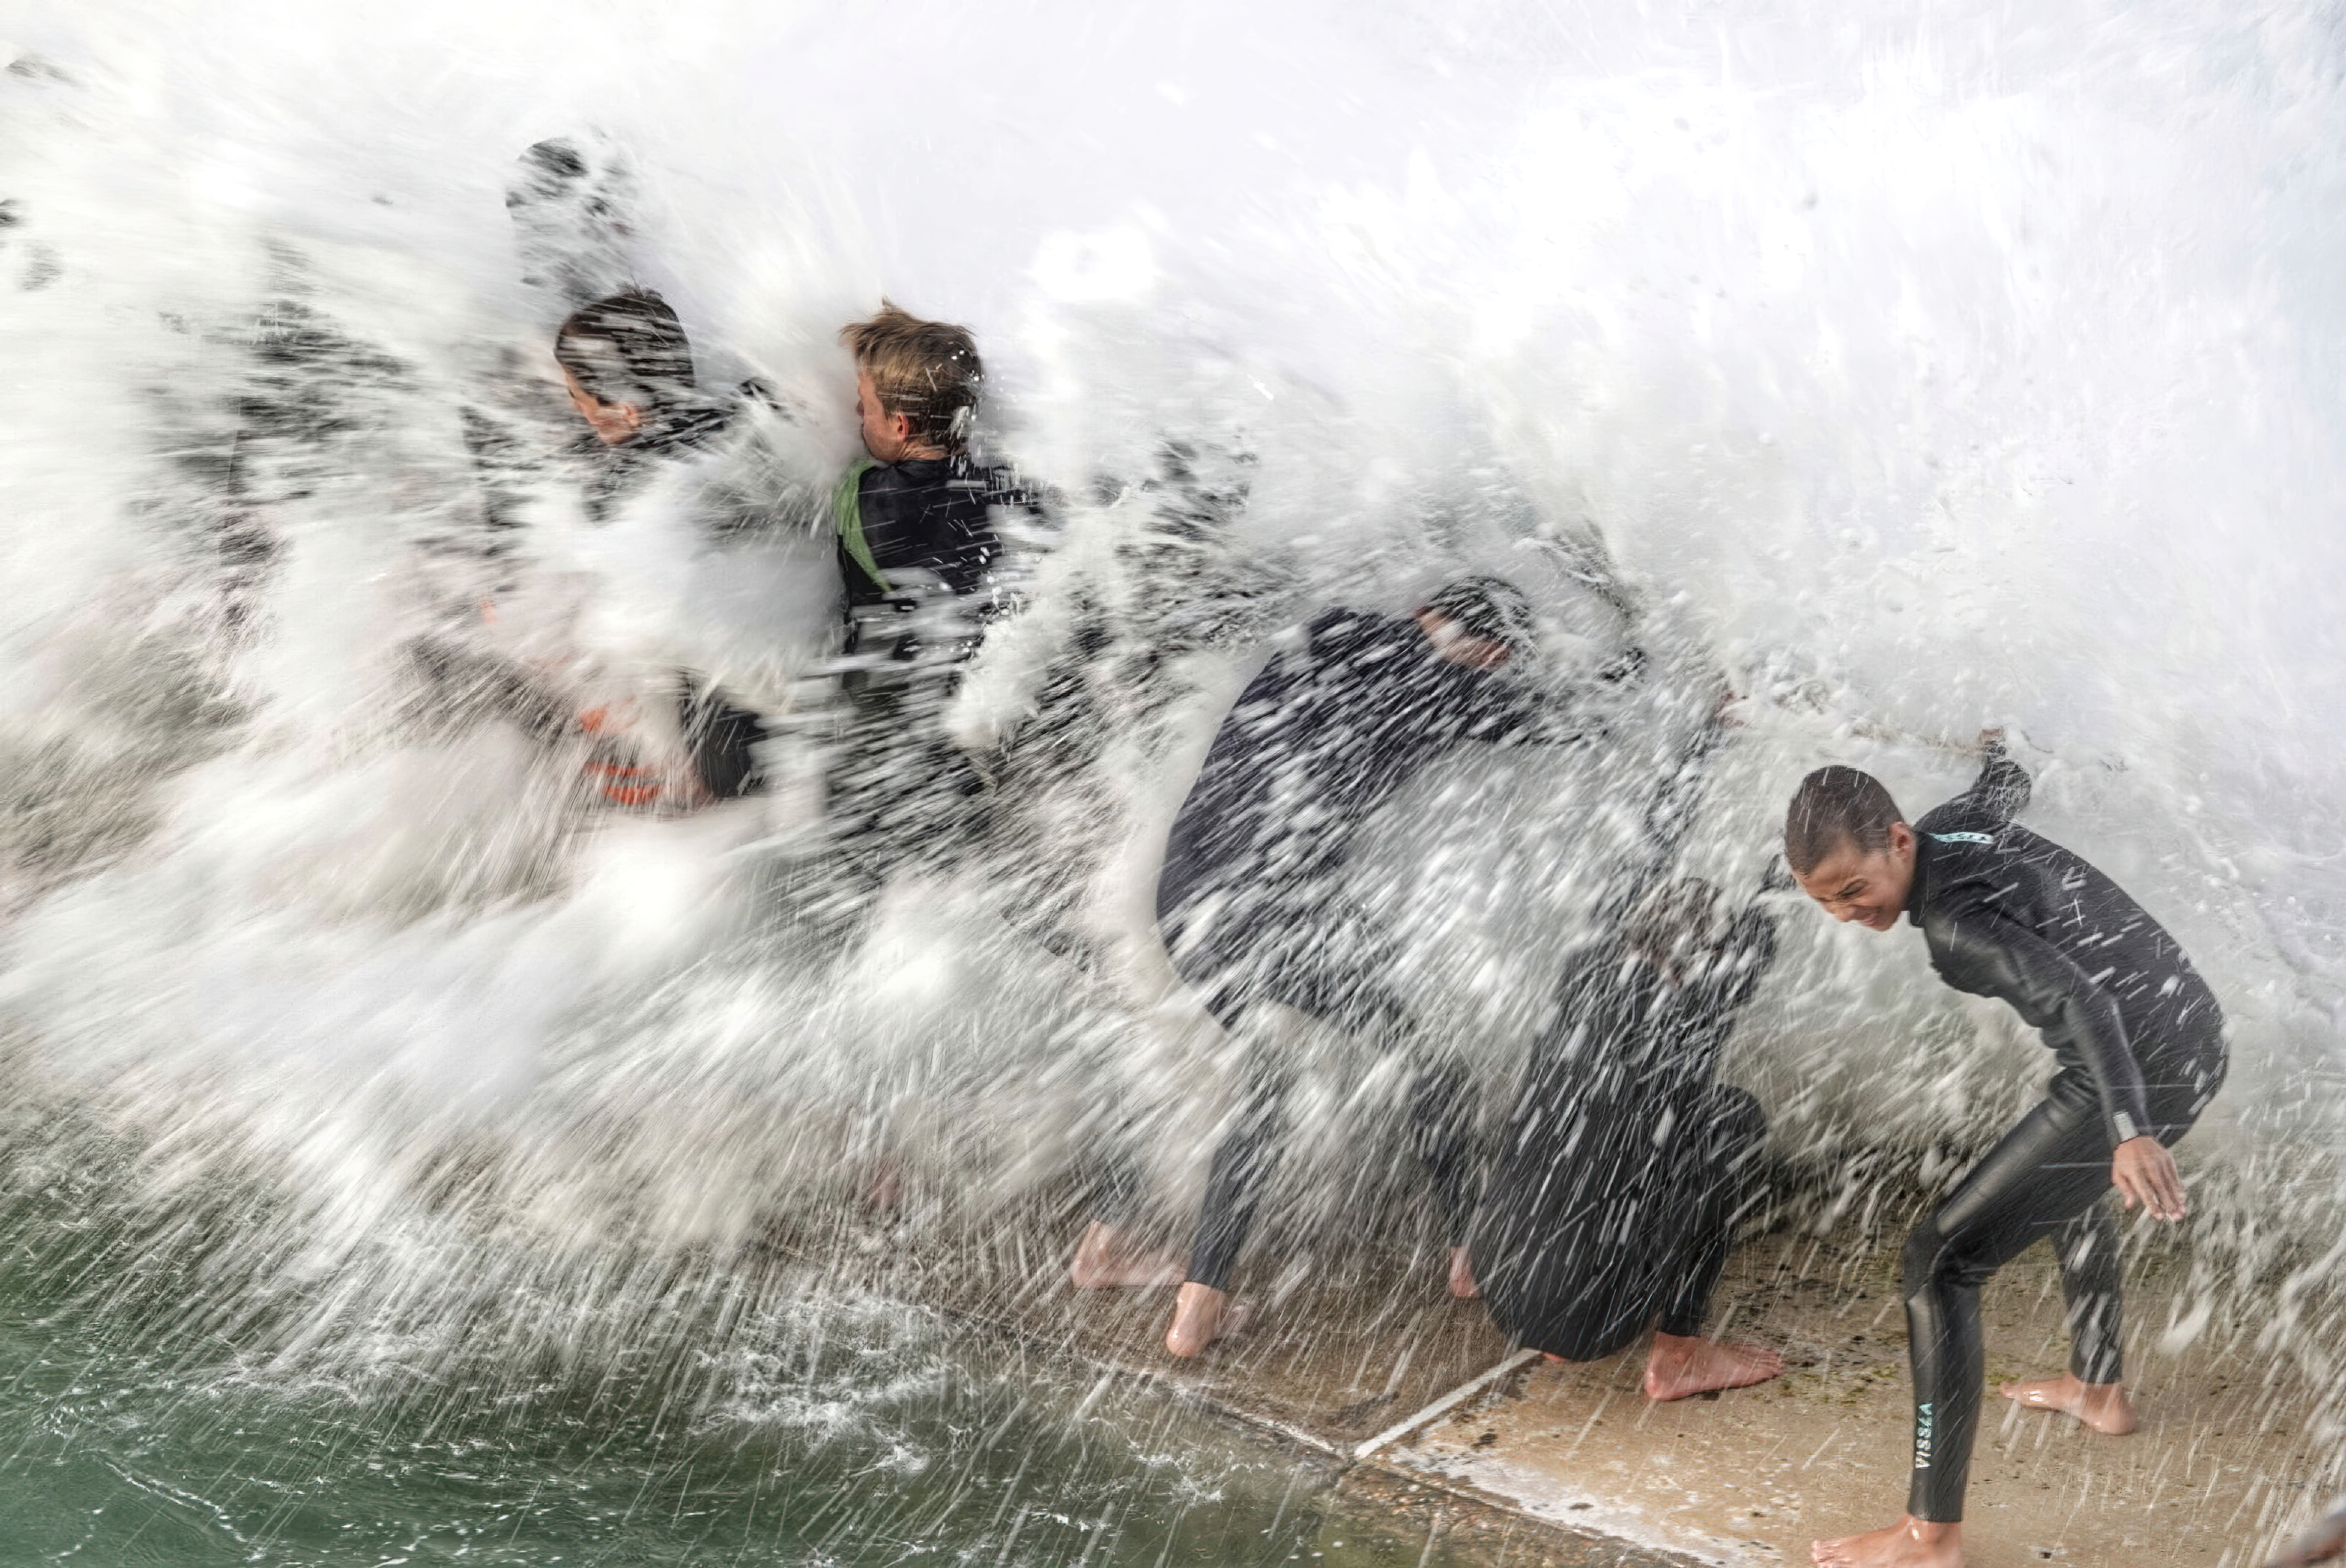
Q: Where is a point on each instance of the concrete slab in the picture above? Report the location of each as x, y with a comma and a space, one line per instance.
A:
1572, 1465
2215, 1475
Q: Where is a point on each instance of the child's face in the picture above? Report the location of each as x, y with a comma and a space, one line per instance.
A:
886, 436
613, 423
1869, 889
1454, 643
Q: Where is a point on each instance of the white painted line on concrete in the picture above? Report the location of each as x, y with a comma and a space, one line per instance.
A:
1448, 1401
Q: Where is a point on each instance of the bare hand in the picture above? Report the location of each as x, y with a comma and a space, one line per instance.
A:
1722, 706
2144, 1173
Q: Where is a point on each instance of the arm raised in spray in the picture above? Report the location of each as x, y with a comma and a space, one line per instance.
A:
2001, 791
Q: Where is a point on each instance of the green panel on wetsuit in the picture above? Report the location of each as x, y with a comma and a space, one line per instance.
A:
847, 516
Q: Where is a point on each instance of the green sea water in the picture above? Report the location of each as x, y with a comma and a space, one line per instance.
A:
854, 1431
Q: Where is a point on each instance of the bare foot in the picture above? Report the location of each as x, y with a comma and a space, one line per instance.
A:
1202, 1315
1102, 1263
1680, 1366
1910, 1544
1461, 1275
2101, 1406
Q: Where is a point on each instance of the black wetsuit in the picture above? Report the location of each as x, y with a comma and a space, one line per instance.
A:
616, 475
918, 553
921, 530
1626, 1166
2141, 1043
722, 735
1248, 898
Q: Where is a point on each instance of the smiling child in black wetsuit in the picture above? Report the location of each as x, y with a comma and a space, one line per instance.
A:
2141, 1043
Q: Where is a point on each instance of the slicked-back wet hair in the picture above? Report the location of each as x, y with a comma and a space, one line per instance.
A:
928, 371
1836, 806
626, 349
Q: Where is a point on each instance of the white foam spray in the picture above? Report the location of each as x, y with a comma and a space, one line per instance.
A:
1923, 370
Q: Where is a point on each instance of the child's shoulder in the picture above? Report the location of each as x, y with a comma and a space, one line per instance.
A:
1963, 821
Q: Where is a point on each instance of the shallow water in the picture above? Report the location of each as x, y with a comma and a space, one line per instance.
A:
853, 1432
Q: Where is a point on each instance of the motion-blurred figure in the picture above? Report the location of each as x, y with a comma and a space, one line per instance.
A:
628, 368
1251, 905
568, 199
918, 523
1626, 1166
2141, 1043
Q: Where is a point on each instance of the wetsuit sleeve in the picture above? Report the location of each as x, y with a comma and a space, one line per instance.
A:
1512, 716
1560, 1053
1669, 816
2000, 792
1746, 957
1991, 956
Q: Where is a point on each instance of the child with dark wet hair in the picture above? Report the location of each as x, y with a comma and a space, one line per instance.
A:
1626, 1166
2140, 1045
628, 368
1252, 906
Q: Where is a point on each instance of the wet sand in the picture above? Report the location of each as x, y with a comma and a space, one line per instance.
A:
1571, 1464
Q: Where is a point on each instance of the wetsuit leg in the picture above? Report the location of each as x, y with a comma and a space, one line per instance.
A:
1723, 1153
1442, 1136
863, 766
1566, 1292
1249, 1157
2088, 1245
900, 793
2087, 1248
723, 739
1569, 1266
2042, 1182
1244, 1163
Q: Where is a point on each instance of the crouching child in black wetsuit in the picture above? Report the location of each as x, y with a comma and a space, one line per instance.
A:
1253, 908
1626, 1167
2141, 1043
918, 525
628, 368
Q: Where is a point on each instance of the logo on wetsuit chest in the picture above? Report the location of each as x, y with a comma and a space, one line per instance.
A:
1964, 838
1921, 1436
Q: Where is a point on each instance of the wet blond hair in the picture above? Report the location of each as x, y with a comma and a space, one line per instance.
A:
928, 371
